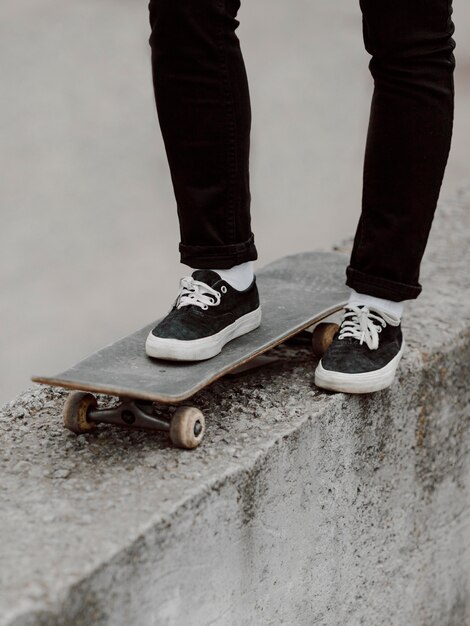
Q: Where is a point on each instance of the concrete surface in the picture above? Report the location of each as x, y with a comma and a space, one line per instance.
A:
88, 238
301, 507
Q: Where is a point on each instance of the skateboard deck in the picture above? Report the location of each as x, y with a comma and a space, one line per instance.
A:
296, 292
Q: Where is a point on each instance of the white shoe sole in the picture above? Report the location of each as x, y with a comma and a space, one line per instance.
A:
204, 348
364, 382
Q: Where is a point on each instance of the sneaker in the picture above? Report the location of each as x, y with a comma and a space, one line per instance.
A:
207, 314
364, 354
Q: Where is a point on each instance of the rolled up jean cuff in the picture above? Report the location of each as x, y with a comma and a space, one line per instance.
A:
381, 287
218, 257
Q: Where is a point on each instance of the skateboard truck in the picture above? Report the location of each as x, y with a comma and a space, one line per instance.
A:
139, 414
185, 427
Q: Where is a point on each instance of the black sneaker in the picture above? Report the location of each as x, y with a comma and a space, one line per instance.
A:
364, 354
207, 314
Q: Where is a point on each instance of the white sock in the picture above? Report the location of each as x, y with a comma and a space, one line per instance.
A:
239, 277
395, 309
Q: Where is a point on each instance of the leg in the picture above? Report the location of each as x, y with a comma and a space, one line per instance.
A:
407, 147
408, 141
203, 104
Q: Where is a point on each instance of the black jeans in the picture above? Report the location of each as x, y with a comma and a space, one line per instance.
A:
203, 103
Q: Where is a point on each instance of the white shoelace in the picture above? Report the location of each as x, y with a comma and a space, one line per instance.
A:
362, 324
197, 293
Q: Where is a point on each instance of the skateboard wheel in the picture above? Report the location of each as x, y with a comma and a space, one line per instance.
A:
322, 337
187, 427
76, 409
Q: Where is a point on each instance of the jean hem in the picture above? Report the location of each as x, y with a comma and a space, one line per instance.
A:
381, 287
218, 257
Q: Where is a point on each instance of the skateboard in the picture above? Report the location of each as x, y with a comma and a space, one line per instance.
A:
296, 292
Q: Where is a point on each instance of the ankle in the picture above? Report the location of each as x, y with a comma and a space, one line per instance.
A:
394, 309
239, 277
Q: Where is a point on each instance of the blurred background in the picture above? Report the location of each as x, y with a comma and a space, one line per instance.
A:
88, 234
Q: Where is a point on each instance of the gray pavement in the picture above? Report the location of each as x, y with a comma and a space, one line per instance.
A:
88, 243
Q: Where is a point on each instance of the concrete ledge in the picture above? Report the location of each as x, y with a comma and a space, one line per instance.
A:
299, 508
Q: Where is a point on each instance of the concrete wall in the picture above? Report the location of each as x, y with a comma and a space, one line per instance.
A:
300, 507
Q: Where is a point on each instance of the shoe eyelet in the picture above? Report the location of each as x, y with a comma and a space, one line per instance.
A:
205, 307
223, 289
